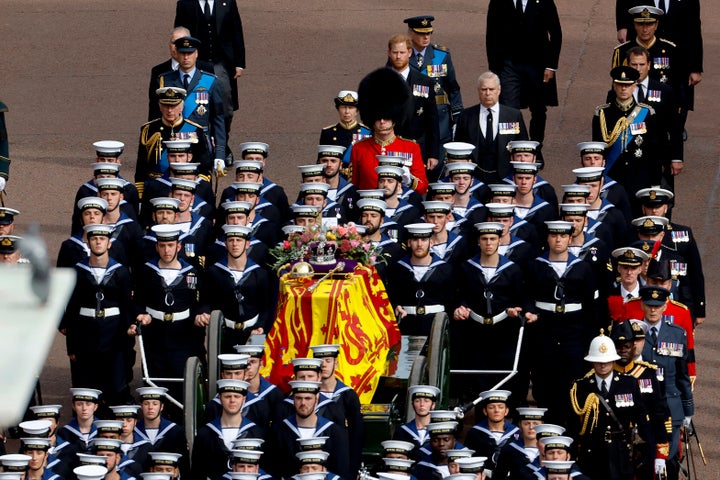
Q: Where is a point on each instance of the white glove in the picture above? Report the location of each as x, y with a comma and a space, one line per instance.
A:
3, 182
406, 176
687, 423
220, 167
660, 466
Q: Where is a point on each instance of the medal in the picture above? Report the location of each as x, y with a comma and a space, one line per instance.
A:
201, 110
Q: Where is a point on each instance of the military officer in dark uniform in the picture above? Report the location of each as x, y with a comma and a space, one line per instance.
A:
240, 288
489, 304
346, 403
152, 159
422, 126
435, 61
203, 102
632, 135
666, 347
607, 406
420, 284
348, 130
562, 316
652, 392
306, 423
213, 442
167, 297
678, 240
97, 317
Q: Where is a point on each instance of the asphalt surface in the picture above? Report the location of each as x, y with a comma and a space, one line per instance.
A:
77, 71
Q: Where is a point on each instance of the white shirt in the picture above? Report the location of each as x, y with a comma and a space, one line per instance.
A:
635, 292
211, 2
495, 116
419, 271
405, 72
644, 86
599, 381
169, 274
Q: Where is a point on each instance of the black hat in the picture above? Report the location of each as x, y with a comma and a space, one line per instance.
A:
384, 94
7, 215
654, 196
622, 332
170, 95
420, 24
654, 296
659, 270
187, 44
624, 74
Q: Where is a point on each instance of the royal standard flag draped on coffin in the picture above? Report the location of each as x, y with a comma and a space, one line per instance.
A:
350, 310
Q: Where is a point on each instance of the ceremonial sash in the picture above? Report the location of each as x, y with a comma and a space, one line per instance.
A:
199, 97
616, 149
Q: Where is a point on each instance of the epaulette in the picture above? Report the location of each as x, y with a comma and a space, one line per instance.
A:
667, 41
440, 47
589, 374
330, 126
208, 73
601, 107
645, 364
360, 124
148, 123
406, 139
681, 305
621, 45
650, 109
193, 123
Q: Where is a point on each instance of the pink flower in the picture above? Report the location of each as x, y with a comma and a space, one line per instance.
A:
366, 247
354, 243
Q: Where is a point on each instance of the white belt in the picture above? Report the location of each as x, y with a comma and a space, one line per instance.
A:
557, 308
424, 310
241, 325
488, 320
168, 316
103, 312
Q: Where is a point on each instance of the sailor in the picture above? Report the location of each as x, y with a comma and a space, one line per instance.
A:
489, 436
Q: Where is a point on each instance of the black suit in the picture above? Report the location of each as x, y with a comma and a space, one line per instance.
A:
521, 57
492, 170
224, 43
422, 126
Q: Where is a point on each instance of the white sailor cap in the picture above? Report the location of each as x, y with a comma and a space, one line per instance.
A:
389, 476
248, 166
165, 203
227, 385
398, 464
556, 441
254, 147
517, 146
109, 148
106, 168
247, 443
151, 393
305, 363
86, 394
548, 430
185, 168
373, 204
456, 453
166, 233
419, 230
15, 462
165, 458
559, 227
290, 229
435, 206
458, 168
397, 446
424, 391
442, 416
36, 428
305, 210
251, 457
591, 147
183, 184
255, 351
391, 160
110, 183
237, 206
489, 228
531, 413
310, 476
442, 428
335, 151
588, 174
471, 464
156, 476
302, 386
99, 229
573, 209
576, 190
525, 168
93, 202
247, 187
458, 150
389, 171
112, 426
177, 146
43, 411
88, 459
125, 411
242, 231
34, 443
312, 170
325, 350
502, 189
461, 476
312, 457
314, 188
100, 444
312, 443
90, 472
233, 361
371, 193
495, 396
500, 210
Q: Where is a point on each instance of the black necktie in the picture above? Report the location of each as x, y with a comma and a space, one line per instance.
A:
186, 81
641, 94
653, 335
489, 128
603, 389
518, 6
420, 59
206, 10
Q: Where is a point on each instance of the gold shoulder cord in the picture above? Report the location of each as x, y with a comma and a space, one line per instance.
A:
590, 408
619, 128
152, 144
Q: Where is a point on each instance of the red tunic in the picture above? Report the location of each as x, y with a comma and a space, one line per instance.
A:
363, 161
680, 317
